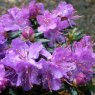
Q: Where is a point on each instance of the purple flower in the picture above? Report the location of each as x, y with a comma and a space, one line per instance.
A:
2, 72
84, 58
63, 58
84, 49
37, 49
27, 63
1, 27
3, 80
85, 42
76, 60
21, 72
21, 59
35, 9
50, 75
3, 48
16, 19
2, 32
62, 24
2, 37
54, 36
19, 14
66, 12
46, 21
8, 23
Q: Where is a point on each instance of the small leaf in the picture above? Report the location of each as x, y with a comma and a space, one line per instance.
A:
92, 88
38, 34
77, 36
74, 92
50, 49
43, 40
11, 92
14, 34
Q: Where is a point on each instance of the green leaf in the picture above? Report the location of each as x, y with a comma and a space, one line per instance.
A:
38, 34
13, 35
11, 92
92, 88
74, 92
50, 49
77, 35
43, 40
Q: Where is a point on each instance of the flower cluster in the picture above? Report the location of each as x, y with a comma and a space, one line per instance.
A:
34, 49
80, 58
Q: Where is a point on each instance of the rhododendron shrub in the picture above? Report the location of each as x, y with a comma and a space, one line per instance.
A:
42, 53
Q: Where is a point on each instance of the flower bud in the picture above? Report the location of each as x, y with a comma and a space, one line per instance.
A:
35, 9
3, 84
80, 79
28, 34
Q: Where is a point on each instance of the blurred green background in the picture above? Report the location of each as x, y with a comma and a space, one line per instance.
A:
86, 8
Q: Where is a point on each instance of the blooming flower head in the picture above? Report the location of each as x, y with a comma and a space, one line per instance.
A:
21, 58
50, 75
46, 21
77, 61
54, 36
85, 42
84, 58
16, 19
35, 9
62, 24
84, 49
63, 58
66, 12
35, 49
